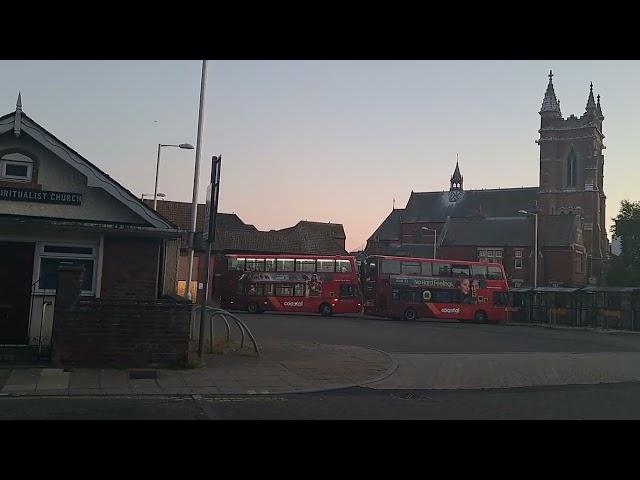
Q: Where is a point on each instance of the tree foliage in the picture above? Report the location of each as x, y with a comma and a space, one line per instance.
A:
624, 270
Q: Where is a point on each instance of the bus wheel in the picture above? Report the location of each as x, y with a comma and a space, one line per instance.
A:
326, 310
253, 308
410, 314
480, 316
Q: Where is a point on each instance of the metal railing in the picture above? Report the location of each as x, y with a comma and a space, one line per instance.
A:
213, 313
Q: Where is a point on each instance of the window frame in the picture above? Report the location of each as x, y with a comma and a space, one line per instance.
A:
27, 162
41, 254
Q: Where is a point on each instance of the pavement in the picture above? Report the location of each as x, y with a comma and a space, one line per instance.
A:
283, 367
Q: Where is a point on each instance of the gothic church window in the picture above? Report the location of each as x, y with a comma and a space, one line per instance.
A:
571, 169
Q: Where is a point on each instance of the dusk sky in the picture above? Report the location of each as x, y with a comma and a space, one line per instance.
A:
324, 140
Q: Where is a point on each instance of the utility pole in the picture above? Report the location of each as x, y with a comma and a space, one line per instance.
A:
196, 174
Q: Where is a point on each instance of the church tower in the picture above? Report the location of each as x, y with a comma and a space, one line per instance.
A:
572, 171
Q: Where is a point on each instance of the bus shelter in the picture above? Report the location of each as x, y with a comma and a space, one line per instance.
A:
520, 300
554, 306
609, 307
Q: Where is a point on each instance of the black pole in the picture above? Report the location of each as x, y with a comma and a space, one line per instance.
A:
211, 234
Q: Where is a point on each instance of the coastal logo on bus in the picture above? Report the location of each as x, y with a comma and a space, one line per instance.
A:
450, 310
293, 304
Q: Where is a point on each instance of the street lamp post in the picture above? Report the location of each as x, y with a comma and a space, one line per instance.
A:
435, 238
185, 146
535, 245
196, 176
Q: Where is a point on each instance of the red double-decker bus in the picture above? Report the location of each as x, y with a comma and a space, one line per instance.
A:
290, 283
411, 288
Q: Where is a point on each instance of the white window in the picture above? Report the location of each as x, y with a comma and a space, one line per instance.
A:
518, 259
16, 166
52, 256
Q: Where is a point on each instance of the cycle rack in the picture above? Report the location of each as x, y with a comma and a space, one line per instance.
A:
242, 327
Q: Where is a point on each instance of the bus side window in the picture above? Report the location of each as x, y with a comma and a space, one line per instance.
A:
343, 266
426, 269
236, 264
443, 269
298, 290
347, 291
494, 273
479, 271
391, 266
326, 266
239, 288
410, 268
458, 270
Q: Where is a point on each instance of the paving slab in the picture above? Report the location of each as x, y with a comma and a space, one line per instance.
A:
53, 379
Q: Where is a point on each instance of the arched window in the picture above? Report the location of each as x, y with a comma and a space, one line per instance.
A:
15, 166
572, 163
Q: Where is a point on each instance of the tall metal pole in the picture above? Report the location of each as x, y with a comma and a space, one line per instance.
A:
216, 166
535, 247
435, 241
196, 175
155, 191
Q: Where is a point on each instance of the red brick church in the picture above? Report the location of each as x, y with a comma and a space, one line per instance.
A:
486, 224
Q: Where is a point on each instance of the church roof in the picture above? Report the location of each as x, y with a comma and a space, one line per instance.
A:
437, 206
390, 228
516, 231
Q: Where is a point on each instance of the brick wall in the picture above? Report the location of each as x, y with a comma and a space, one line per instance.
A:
130, 268
102, 333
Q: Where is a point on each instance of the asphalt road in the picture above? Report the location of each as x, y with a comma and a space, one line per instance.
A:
597, 401
617, 401
432, 336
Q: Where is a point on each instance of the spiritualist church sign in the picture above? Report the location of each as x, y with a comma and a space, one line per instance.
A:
39, 196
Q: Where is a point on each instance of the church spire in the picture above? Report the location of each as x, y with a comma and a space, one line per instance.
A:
456, 178
599, 109
17, 122
550, 104
591, 103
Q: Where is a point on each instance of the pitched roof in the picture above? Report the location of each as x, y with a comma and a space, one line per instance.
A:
180, 214
554, 231
437, 206
485, 232
95, 177
233, 235
390, 228
316, 239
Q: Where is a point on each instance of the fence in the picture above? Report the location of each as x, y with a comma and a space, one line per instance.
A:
608, 308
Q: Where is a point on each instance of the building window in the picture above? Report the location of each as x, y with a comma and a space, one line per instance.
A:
579, 262
491, 255
572, 162
518, 259
16, 167
50, 257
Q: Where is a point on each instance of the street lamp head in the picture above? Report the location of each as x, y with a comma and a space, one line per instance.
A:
186, 146
523, 212
161, 195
